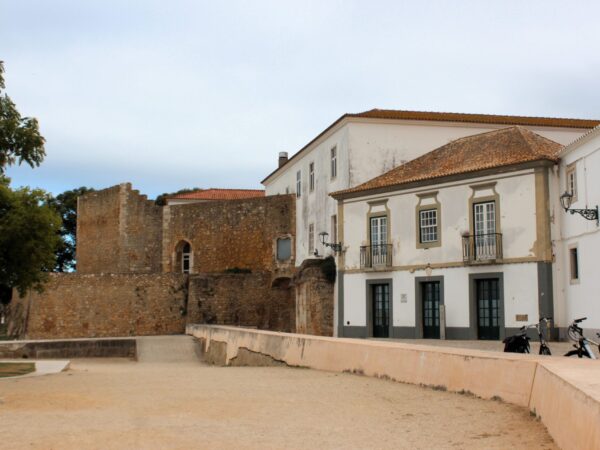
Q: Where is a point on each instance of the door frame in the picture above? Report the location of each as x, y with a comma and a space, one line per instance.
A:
419, 301
369, 288
473, 277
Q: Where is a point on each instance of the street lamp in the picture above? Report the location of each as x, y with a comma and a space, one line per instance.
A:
335, 246
590, 214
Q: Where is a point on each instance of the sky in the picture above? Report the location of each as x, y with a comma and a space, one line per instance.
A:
177, 94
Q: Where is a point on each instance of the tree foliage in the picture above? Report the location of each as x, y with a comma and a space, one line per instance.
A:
20, 138
29, 237
161, 200
65, 205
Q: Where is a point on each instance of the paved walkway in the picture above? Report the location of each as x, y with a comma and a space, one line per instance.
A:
167, 349
557, 348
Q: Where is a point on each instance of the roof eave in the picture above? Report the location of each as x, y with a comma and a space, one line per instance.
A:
545, 162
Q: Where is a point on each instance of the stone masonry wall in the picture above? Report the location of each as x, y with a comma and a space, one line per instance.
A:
98, 236
74, 305
230, 234
242, 300
314, 298
118, 231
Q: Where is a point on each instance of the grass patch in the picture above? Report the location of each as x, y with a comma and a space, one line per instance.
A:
14, 369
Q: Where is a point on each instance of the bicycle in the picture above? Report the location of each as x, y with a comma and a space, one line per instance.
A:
519, 343
582, 344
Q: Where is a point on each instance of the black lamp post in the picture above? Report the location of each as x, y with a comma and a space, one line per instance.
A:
335, 246
590, 214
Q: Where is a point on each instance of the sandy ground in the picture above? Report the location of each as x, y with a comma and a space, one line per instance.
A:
114, 403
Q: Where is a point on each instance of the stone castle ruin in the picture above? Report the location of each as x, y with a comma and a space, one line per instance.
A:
144, 269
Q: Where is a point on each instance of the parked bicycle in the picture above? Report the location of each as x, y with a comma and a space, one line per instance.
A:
582, 344
519, 343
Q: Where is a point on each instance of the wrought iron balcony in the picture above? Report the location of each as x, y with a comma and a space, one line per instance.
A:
482, 247
374, 256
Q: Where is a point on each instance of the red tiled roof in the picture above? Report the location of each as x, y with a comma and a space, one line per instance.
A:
498, 148
220, 194
392, 114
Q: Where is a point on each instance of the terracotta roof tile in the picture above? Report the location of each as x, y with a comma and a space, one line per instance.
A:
220, 194
489, 150
394, 114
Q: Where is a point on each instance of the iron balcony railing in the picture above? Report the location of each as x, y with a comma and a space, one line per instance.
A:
376, 256
482, 247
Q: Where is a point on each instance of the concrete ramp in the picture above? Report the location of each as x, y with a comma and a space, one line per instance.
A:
167, 349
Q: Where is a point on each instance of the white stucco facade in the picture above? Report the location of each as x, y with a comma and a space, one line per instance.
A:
576, 287
517, 267
366, 148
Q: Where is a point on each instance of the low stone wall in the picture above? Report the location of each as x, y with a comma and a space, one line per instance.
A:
562, 392
71, 348
74, 305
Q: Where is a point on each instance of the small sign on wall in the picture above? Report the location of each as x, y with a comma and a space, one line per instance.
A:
403, 298
521, 317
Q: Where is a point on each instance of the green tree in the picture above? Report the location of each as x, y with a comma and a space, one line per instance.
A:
29, 237
65, 204
20, 138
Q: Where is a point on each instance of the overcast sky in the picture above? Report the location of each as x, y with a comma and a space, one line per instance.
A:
174, 94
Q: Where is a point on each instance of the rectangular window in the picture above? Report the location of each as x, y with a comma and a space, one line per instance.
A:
572, 181
379, 255
574, 263
428, 225
311, 238
311, 176
284, 249
333, 162
334, 237
298, 183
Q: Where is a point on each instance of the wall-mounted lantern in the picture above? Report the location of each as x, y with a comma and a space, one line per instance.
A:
590, 214
335, 246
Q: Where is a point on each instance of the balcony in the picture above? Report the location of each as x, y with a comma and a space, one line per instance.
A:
376, 256
482, 248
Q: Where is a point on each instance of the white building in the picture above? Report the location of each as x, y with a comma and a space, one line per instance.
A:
578, 245
358, 147
465, 228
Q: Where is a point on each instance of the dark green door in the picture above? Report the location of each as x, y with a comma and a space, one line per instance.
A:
488, 309
431, 309
381, 310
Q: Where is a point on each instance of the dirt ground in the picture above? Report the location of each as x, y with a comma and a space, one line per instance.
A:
123, 404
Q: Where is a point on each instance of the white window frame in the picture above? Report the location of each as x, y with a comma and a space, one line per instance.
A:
311, 176
428, 226
571, 176
311, 238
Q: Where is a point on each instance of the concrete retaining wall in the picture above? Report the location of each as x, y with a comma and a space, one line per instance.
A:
69, 348
564, 393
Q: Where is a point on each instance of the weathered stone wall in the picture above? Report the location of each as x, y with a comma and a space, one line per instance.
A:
247, 299
229, 234
98, 235
74, 305
314, 297
118, 231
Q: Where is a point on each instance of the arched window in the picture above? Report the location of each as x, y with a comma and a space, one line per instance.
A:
183, 253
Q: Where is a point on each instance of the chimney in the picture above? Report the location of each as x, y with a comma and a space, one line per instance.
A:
283, 158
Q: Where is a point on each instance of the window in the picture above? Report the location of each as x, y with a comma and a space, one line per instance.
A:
284, 249
311, 238
183, 252
311, 176
333, 162
574, 264
572, 181
334, 237
298, 183
428, 225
